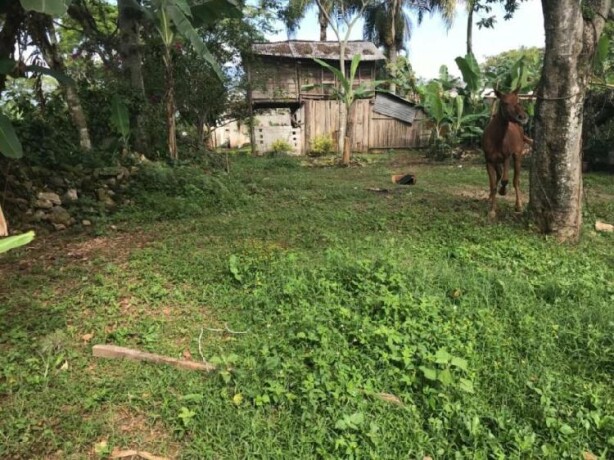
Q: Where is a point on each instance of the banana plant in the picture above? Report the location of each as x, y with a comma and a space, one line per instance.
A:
472, 75
175, 17
436, 106
10, 147
345, 92
466, 126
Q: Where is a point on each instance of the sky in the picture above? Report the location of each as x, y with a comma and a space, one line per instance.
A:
431, 45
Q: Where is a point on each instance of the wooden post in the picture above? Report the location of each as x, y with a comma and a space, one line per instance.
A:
252, 128
4, 229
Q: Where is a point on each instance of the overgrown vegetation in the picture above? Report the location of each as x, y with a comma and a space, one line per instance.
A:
322, 145
367, 324
281, 147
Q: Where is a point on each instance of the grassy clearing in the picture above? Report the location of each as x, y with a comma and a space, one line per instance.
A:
390, 324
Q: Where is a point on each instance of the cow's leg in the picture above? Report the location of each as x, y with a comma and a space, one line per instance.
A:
492, 179
517, 161
505, 179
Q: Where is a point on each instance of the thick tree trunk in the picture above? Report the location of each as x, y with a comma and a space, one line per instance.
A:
130, 51
170, 105
8, 35
78, 116
45, 36
556, 176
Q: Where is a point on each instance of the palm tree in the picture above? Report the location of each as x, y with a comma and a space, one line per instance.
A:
295, 11
387, 22
471, 6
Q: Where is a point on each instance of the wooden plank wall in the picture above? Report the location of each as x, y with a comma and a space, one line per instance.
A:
371, 130
277, 82
282, 79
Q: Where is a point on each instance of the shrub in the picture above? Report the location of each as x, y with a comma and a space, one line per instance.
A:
440, 149
322, 145
281, 147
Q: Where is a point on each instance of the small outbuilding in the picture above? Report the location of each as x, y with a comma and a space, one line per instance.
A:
285, 109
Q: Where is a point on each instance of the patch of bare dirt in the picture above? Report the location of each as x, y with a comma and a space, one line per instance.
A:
148, 439
145, 434
47, 251
481, 194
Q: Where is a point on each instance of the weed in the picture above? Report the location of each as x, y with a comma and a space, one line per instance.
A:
281, 147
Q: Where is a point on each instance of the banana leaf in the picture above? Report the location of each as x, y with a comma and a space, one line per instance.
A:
9, 143
12, 242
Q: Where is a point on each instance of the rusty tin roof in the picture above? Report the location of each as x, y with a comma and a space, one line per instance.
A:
302, 49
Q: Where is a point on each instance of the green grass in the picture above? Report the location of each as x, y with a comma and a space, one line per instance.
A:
392, 324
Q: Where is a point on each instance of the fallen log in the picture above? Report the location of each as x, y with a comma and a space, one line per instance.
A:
116, 352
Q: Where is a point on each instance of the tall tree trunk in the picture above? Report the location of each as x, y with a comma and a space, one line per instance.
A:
8, 35
392, 48
170, 104
323, 25
130, 51
44, 33
200, 131
470, 6
556, 176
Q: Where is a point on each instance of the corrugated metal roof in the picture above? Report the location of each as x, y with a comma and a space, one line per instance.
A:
395, 107
322, 50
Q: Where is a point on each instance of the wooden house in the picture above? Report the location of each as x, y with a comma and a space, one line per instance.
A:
284, 76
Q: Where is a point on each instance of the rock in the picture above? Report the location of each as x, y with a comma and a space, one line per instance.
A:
50, 196
39, 215
105, 197
33, 217
60, 216
71, 195
17, 201
124, 173
59, 227
57, 181
43, 204
112, 182
111, 171
603, 227
86, 223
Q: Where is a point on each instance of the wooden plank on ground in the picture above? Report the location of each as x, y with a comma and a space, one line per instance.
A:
116, 352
